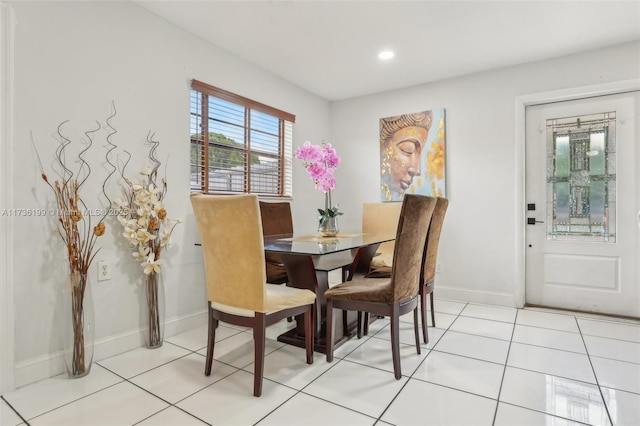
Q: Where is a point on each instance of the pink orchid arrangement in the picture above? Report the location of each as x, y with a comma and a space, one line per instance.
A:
321, 161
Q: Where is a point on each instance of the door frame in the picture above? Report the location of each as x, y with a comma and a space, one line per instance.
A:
7, 331
521, 102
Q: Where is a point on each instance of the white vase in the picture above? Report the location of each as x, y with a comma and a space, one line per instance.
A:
328, 245
328, 226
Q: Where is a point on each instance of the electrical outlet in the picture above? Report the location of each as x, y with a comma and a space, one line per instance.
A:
104, 270
438, 268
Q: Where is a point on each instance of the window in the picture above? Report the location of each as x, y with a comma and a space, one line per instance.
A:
581, 178
238, 145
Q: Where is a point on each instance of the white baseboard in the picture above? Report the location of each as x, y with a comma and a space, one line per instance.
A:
49, 365
475, 296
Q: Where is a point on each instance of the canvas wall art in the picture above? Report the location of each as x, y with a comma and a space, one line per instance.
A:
412, 155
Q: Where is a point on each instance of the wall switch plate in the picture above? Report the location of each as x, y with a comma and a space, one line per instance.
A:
104, 270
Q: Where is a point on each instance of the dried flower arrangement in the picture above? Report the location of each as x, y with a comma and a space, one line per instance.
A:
146, 226
75, 228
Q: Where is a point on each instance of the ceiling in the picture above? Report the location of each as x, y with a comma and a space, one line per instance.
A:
330, 47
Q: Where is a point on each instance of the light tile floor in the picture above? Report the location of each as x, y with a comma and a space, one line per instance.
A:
483, 365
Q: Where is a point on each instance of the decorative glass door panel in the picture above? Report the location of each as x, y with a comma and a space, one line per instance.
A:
581, 178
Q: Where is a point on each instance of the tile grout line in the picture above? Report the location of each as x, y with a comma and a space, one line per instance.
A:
191, 352
128, 380
534, 371
77, 399
301, 391
595, 376
504, 370
410, 377
14, 410
505, 365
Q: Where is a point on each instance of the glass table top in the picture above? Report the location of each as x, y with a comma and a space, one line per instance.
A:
316, 245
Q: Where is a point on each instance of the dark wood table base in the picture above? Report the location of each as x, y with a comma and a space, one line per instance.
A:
308, 267
341, 334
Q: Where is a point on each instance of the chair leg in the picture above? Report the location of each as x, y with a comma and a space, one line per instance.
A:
415, 330
359, 325
309, 333
345, 273
395, 341
423, 314
433, 312
259, 329
345, 325
329, 333
365, 326
213, 324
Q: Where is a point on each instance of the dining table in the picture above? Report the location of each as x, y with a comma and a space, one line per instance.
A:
308, 259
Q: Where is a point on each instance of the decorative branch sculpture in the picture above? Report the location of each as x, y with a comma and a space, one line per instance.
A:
75, 228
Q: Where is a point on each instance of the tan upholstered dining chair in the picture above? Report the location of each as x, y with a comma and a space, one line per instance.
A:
381, 217
398, 294
378, 218
233, 249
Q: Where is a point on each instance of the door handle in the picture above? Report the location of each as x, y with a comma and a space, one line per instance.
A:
533, 221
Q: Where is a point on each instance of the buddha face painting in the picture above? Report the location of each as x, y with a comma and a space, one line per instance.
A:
402, 139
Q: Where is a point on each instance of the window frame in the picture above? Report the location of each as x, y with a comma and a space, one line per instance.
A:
204, 91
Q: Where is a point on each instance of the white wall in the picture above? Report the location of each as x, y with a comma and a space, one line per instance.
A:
479, 241
71, 61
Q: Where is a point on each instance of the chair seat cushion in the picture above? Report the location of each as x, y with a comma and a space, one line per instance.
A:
382, 259
276, 273
273, 258
380, 272
362, 289
281, 297
278, 297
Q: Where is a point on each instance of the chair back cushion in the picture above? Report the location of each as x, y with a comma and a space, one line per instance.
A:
411, 237
381, 217
433, 239
276, 218
233, 249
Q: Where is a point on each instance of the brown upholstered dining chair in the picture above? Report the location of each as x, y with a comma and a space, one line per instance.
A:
398, 294
233, 249
276, 219
427, 280
376, 217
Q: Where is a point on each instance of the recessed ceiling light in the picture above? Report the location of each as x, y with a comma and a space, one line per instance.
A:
385, 55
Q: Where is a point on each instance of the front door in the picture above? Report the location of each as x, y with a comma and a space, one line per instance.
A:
583, 197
